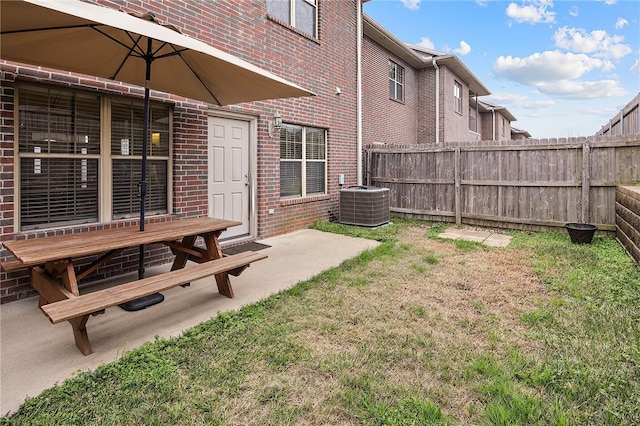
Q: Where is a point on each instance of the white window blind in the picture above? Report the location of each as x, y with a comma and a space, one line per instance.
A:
59, 149
60, 157
302, 161
126, 151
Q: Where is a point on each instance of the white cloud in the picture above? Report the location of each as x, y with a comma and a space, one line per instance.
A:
621, 22
597, 42
425, 42
568, 89
556, 74
411, 4
519, 101
608, 66
545, 66
532, 11
574, 11
464, 48
635, 68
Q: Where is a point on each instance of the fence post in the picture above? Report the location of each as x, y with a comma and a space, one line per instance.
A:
586, 181
457, 185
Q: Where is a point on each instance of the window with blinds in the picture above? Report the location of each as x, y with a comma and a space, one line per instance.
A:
303, 162
59, 151
126, 153
60, 159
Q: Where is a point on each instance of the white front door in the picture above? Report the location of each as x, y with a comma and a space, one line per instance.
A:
229, 179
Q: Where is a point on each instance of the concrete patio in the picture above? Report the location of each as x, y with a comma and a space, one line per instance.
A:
34, 354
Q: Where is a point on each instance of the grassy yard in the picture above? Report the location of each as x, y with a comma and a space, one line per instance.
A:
418, 331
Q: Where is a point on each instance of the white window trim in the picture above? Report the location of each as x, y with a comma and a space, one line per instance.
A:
292, 17
303, 161
399, 69
457, 97
105, 166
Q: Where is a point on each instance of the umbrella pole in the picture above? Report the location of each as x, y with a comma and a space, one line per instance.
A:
152, 299
142, 187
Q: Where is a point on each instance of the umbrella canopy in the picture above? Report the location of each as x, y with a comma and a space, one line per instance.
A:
99, 41
103, 42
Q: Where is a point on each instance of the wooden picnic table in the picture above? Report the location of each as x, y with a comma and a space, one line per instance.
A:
53, 274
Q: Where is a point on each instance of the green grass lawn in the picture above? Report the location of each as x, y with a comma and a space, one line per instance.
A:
418, 331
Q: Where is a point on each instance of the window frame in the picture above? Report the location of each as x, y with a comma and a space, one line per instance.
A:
396, 81
303, 161
291, 19
104, 158
457, 97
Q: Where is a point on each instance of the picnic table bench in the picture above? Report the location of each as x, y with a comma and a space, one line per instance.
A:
53, 275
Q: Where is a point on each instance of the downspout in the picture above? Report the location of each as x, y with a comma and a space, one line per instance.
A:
493, 124
435, 65
359, 92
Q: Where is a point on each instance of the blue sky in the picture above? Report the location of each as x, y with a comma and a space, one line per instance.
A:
563, 68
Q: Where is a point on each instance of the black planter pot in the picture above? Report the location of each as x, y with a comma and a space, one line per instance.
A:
581, 233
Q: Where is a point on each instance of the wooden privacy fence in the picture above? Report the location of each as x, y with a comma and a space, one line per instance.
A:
528, 184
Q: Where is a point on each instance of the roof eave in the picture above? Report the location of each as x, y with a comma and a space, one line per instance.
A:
405, 52
383, 37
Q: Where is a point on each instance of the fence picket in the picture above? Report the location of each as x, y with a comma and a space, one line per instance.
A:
538, 185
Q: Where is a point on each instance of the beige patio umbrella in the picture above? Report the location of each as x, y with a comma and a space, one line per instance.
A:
90, 39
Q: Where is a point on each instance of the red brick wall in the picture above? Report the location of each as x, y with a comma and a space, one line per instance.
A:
427, 106
386, 120
243, 29
456, 125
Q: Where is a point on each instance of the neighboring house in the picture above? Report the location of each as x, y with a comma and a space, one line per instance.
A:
494, 122
626, 122
287, 179
517, 134
416, 95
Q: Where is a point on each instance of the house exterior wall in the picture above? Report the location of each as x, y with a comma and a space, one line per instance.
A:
245, 30
426, 105
384, 119
518, 136
497, 131
504, 127
455, 126
487, 128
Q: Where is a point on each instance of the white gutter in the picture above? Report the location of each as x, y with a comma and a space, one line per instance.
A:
359, 92
435, 65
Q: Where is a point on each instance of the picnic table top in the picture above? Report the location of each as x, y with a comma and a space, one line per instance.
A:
37, 251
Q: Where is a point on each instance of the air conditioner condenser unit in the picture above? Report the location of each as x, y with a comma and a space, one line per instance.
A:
364, 206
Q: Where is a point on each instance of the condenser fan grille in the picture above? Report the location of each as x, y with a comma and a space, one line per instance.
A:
364, 206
